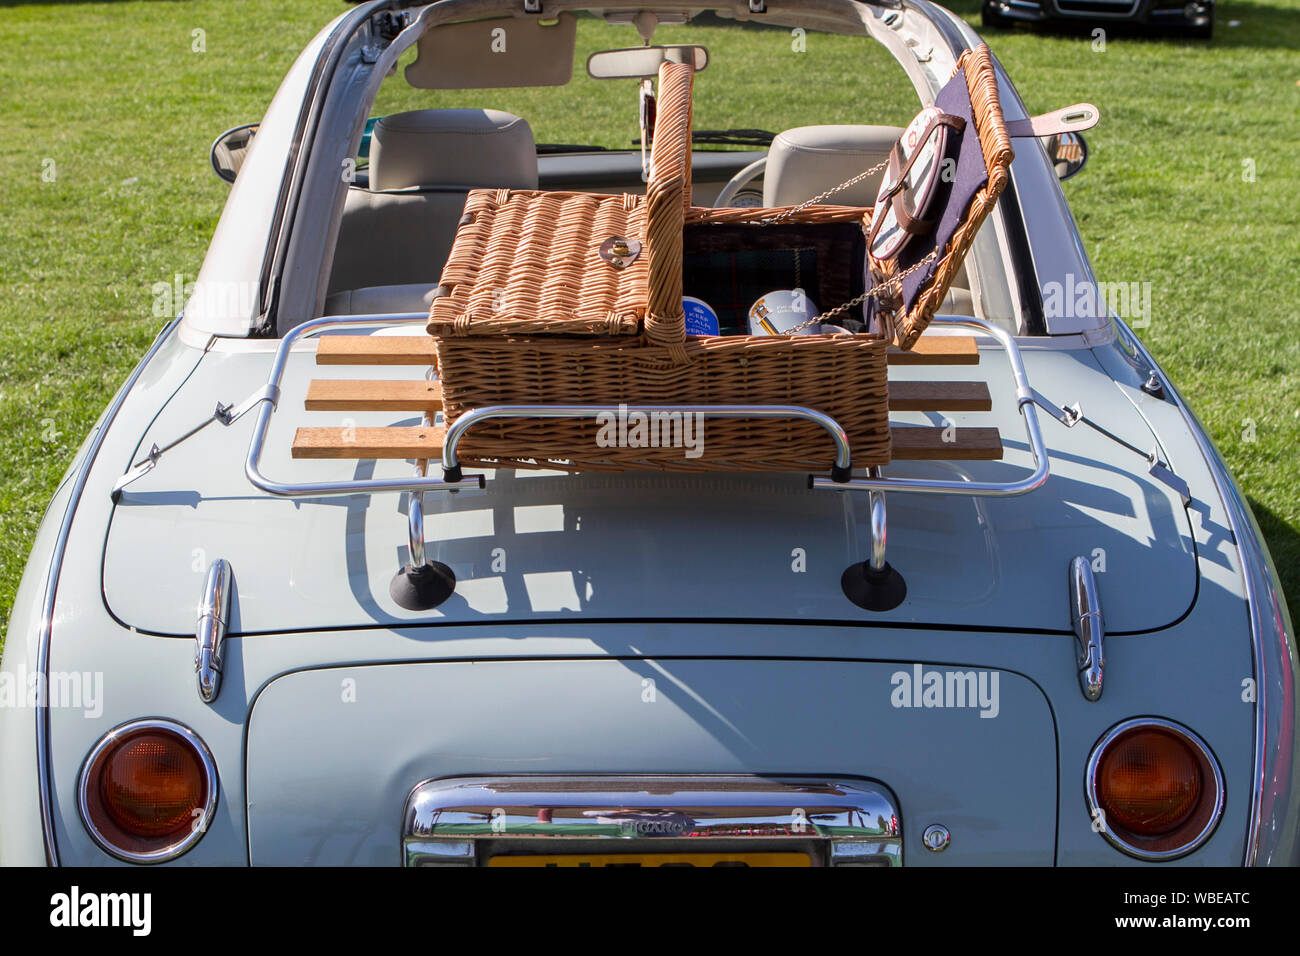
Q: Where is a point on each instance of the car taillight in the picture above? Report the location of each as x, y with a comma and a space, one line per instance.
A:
147, 791
1154, 788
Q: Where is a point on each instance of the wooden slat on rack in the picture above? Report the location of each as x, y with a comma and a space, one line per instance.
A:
374, 350
967, 444
418, 350
348, 395
929, 444
343, 395
938, 350
386, 443
939, 397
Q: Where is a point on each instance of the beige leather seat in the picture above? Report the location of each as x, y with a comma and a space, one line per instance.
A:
396, 235
806, 161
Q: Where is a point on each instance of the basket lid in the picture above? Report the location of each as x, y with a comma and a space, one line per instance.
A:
539, 262
529, 262
980, 154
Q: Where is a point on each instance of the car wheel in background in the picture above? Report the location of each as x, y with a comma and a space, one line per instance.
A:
990, 16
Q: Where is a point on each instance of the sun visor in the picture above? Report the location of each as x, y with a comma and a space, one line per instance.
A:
490, 54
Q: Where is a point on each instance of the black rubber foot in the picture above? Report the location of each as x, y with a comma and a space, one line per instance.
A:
881, 590
420, 589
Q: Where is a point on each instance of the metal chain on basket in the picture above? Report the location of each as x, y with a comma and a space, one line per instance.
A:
874, 290
777, 219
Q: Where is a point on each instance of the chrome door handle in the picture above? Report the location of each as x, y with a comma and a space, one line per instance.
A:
1089, 627
210, 630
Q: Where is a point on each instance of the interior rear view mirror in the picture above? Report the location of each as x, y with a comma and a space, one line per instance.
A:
643, 62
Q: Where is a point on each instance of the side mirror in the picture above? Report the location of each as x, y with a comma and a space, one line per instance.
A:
229, 150
643, 62
1068, 153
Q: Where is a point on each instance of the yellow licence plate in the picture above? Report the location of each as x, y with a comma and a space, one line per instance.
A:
655, 859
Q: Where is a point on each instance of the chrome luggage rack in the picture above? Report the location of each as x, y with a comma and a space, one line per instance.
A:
423, 583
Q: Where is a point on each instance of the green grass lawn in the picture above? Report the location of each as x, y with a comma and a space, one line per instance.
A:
112, 103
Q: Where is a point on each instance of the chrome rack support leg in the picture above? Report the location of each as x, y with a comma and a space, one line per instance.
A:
422, 584
874, 584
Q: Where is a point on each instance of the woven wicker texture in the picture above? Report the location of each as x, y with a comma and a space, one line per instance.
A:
528, 262
847, 382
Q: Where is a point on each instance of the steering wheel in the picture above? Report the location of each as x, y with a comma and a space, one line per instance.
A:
738, 182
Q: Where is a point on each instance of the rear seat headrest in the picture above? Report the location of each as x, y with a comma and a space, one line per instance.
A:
805, 161
470, 148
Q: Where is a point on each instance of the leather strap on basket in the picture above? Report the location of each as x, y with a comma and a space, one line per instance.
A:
898, 175
668, 195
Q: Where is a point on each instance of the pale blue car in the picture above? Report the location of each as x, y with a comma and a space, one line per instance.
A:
224, 652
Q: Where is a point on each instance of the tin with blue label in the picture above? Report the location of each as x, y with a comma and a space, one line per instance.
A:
700, 317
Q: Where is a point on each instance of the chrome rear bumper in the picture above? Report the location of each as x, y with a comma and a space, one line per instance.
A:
465, 821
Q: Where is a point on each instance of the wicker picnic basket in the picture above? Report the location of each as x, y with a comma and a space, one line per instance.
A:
575, 298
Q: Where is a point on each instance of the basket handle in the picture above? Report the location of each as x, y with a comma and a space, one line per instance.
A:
668, 196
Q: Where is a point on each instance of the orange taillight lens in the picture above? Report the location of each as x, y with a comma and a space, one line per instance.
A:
1157, 788
146, 790
151, 784
1149, 782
